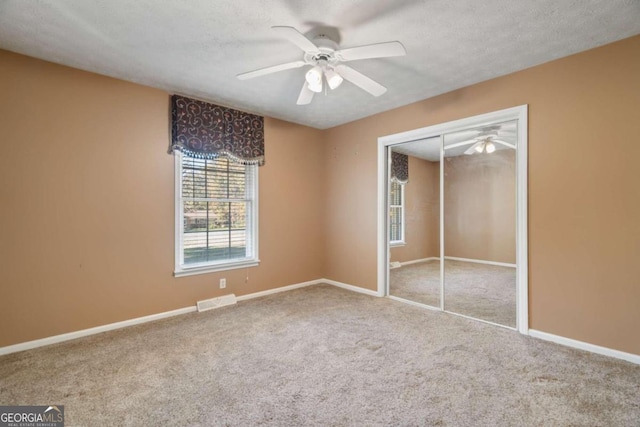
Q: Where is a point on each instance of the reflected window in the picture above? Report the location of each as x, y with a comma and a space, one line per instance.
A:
396, 214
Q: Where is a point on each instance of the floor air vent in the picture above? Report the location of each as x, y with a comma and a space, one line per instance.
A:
210, 304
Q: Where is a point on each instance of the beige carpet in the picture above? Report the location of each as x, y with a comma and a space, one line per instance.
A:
486, 292
322, 356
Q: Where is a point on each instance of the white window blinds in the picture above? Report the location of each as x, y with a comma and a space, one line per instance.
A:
218, 212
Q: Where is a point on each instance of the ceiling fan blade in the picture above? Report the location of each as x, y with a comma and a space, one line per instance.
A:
306, 95
505, 143
360, 80
378, 50
297, 38
269, 70
454, 145
470, 141
472, 149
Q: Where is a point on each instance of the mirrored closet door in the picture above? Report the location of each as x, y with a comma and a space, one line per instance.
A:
480, 223
452, 227
414, 222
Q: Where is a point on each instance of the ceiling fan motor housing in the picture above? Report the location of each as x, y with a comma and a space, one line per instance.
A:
327, 47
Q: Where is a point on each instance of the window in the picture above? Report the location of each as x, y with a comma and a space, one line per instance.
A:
396, 214
216, 215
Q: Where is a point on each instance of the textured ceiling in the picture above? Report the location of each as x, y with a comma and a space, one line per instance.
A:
426, 149
196, 47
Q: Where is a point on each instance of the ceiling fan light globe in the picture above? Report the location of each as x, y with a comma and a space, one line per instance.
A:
333, 79
480, 148
489, 147
314, 77
317, 88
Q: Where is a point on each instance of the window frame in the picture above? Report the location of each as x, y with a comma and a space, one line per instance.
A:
210, 267
401, 206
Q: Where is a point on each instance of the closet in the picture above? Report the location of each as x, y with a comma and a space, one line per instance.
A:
454, 203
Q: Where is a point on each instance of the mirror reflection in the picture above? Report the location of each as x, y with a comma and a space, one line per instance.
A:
414, 221
477, 190
480, 223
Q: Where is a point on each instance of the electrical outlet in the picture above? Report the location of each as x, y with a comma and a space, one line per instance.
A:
223, 283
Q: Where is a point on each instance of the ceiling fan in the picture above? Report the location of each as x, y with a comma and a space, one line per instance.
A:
326, 61
485, 143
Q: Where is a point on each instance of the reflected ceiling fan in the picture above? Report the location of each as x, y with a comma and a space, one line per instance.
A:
326, 61
485, 143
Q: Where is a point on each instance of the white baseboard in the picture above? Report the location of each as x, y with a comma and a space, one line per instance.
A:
350, 287
125, 323
92, 331
414, 303
481, 261
629, 357
309, 283
416, 261
278, 290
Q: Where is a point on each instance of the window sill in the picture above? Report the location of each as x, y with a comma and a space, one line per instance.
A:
396, 244
191, 271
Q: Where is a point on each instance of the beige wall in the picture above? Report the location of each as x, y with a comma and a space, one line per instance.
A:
422, 212
87, 204
480, 206
584, 188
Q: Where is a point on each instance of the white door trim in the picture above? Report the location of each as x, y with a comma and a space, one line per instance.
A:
519, 113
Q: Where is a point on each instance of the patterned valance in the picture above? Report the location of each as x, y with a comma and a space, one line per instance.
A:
399, 168
208, 131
